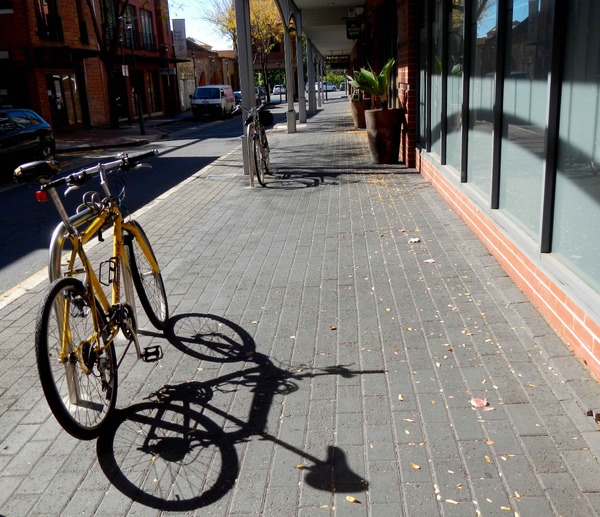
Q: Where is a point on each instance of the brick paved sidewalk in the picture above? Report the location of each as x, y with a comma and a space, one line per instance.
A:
327, 336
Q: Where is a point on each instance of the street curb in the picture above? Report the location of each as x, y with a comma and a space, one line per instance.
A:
65, 148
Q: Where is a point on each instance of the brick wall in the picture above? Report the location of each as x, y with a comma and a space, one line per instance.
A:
570, 321
97, 94
407, 77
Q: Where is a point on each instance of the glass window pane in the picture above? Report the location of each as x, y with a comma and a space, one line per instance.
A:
525, 105
423, 53
576, 230
481, 95
436, 80
456, 24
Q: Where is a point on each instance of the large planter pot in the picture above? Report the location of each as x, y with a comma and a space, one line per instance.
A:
383, 132
357, 108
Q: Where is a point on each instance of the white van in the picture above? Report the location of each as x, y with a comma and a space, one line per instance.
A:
214, 100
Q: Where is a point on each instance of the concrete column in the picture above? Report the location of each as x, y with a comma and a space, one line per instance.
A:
289, 78
320, 82
310, 69
242, 20
300, 68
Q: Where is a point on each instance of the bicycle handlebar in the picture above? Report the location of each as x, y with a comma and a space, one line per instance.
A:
44, 171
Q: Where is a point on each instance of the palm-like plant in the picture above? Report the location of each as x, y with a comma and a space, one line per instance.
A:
367, 81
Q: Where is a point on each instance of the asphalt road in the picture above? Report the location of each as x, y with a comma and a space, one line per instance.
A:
26, 226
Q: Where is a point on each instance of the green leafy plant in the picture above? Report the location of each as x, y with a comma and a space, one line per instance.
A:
367, 81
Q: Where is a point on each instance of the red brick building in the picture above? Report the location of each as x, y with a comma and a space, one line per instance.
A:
50, 60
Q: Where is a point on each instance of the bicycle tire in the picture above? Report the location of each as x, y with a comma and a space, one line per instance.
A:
148, 285
266, 150
260, 160
62, 382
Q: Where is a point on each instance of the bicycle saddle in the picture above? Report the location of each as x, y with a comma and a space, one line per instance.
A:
38, 171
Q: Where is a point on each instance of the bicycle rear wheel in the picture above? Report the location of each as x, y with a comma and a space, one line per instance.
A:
261, 156
79, 381
148, 284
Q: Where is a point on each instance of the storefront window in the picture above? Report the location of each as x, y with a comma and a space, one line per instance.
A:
423, 65
525, 106
455, 53
481, 99
436, 80
576, 229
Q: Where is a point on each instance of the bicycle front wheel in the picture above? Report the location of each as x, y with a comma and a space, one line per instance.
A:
78, 374
148, 282
261, 156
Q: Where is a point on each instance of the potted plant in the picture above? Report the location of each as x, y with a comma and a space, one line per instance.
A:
358, 104
383, 124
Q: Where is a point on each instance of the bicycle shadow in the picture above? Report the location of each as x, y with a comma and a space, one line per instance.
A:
176, 451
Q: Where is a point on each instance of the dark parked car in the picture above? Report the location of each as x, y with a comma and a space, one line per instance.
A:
24, 137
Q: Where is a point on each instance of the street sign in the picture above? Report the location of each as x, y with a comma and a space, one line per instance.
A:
352, 29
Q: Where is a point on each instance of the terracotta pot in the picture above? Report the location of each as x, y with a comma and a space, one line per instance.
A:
358, 112
383, 132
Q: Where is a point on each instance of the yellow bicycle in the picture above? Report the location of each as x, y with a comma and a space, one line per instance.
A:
78, 324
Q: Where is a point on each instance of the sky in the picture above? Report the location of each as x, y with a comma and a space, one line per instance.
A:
191, 11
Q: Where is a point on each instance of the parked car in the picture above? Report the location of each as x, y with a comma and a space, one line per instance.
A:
278, 89
327, 87
343, 86
215, 100
238, 97
24, 137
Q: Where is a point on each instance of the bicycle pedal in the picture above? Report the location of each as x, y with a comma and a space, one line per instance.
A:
152, 354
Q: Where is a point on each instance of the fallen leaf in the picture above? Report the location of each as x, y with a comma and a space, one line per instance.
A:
506, 508
332, 327
451, 501
300, 467
351, 499
415, 466
408, 420
400, 398
429, 261
487, 459
489, 442
414, 240
476, 402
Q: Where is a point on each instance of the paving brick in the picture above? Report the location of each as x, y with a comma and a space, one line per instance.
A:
345, 353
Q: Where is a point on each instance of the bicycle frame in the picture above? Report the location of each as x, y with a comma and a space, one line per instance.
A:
109, 217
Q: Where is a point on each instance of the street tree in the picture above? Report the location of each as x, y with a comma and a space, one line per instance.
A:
266, 26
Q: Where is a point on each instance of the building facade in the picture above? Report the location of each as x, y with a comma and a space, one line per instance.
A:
502, 101
74, 67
